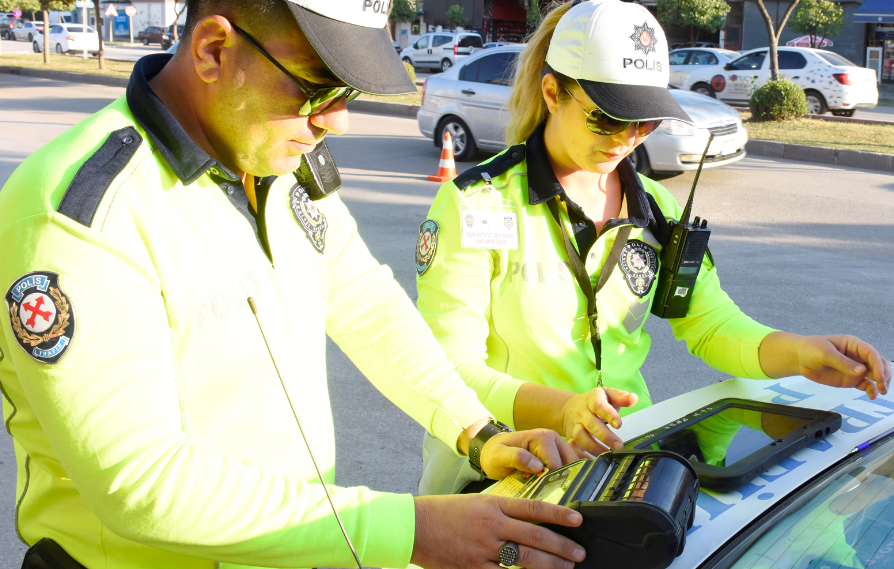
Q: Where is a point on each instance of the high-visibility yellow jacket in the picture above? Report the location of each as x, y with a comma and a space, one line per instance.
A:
150, 427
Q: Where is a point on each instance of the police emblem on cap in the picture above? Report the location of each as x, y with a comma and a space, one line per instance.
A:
638, 263
426, 245
643, 38
309, 217
41, 316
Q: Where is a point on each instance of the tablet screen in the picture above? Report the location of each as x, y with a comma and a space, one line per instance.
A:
726, 437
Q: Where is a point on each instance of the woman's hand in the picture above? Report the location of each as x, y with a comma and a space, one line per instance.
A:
527, 451
586, 418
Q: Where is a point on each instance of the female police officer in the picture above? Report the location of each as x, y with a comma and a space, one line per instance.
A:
496, 279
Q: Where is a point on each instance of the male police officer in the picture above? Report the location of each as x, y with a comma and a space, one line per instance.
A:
150, 427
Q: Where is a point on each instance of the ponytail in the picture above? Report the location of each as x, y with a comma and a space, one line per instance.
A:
527, 109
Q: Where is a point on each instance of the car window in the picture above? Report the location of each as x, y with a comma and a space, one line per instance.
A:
496, 69
441, 40
78, 29
791, 60
678, 57
703, 58
423, 42
834, 58
469, 41
469, 72
56, 30
750, 61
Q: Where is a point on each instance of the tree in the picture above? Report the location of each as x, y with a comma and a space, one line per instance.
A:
177, 13
456, 16
32, 6
696, 15
533, 15
819, 19
46, 6
773, 34
101, 55
403, 11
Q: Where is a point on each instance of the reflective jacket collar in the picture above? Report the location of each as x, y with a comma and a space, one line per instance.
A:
543, 184
184, 156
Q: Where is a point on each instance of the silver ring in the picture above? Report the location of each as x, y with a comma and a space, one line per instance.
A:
508, 554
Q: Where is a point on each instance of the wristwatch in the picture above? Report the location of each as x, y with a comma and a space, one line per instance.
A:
493, 427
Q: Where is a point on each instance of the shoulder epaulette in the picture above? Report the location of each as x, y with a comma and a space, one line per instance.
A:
90, 184
494, 168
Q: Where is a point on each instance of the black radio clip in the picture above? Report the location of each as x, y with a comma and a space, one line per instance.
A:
681, 258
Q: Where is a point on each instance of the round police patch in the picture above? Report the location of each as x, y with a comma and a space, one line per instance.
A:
639, 262
309, 216
426, 245
41, 316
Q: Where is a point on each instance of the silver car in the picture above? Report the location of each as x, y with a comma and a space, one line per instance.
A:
470, 100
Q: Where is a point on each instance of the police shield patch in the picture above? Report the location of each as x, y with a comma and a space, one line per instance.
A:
426, 245
41, 316
638, 263
309, 216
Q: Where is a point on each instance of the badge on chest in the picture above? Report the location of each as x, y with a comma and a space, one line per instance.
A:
639, 263
309, 217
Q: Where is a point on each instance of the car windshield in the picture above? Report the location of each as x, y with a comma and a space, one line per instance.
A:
750, 61
847, 522
834, 58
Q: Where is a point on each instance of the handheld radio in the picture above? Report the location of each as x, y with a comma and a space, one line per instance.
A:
681, 258
318, 173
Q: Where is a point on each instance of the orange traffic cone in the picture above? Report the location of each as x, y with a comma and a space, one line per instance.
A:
447, 167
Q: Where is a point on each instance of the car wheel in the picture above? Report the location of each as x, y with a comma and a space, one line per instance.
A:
446, 64
145, 41
463, 143
59, 49
704, 89
640, 160
844, 112
407, 60
36, 47
816, 104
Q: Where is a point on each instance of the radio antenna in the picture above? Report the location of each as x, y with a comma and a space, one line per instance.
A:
254, 310
685, 217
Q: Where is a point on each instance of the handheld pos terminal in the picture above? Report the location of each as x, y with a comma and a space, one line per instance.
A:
636, 505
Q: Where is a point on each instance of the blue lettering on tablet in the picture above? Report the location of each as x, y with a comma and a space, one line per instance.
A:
849, 416
748, 490
712, 505
878, 401
788, 464
821, 445
784, 393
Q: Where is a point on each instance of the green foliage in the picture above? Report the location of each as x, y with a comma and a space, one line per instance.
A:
23, 5
707, 15
818, 18
534, 16
403, 11
778, 100
411, 71
456, 16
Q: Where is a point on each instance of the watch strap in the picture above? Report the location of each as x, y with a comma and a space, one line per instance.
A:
492, 428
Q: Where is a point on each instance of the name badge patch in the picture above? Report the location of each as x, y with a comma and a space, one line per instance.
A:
638, 262
482, 229
41, 316
309, 217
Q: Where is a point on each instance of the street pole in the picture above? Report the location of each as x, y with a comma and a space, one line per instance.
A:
130, 26
83, 19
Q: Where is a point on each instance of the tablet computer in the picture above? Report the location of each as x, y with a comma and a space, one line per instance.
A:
731, 441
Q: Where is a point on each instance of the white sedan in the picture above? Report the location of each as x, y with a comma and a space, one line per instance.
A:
69, 38
27, 31
684, 61
830, 81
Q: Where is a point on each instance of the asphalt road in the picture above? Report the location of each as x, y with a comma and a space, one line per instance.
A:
800, 247
112, 52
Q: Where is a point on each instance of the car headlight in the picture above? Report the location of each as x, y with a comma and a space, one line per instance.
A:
677, 128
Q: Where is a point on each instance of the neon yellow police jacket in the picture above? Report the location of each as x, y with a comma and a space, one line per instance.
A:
150, 427
506, 315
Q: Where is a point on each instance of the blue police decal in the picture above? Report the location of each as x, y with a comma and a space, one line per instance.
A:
309, 216
639, 262
426, 245
41, 316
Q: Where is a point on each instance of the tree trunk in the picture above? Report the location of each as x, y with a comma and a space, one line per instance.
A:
101, 55
773, 34
693, 34
46, 36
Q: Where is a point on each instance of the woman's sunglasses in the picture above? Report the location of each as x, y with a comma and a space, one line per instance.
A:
600, 123
318, 98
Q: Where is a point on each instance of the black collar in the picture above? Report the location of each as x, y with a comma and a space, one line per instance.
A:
184, 156
543, 184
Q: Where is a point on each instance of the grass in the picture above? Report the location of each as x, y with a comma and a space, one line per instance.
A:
812, 132
411, 99
67, 63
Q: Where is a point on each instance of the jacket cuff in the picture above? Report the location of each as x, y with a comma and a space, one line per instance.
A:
391, 531
464, 410
749, 352
500, 398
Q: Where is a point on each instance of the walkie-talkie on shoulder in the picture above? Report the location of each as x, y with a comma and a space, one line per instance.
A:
681, 258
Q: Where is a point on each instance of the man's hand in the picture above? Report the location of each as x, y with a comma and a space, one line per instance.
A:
586, 418
843, 361
527, 451
467, 531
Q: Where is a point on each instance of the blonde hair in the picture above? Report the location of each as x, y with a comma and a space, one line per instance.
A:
527, 109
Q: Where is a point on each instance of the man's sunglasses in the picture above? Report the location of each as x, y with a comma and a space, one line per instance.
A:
318, 98
600, 123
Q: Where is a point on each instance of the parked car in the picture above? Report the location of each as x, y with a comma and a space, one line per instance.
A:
7, 25
471, 99
681, 45
69, 38
496, 44
441, 50
173, 48
685, 61
27, 31
830, 81
156, 34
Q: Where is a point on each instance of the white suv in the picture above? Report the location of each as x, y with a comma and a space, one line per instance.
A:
441, 50
830, 81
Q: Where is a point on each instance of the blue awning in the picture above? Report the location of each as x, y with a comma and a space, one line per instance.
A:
875, 12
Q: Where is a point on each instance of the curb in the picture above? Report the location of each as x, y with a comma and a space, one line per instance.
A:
831, 118
831, 156
108, 81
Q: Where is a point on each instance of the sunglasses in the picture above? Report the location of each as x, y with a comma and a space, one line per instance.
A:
600, 123
318, 98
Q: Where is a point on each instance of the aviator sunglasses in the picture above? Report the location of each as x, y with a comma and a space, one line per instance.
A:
600, 123
318, 98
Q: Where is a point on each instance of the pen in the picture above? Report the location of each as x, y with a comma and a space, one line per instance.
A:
863, 446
